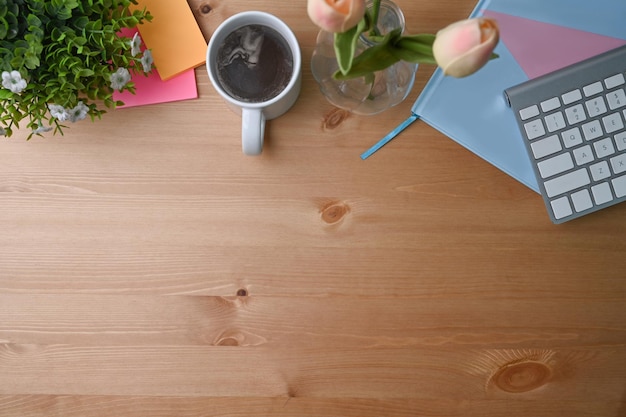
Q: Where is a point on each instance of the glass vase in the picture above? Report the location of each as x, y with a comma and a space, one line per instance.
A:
361, 95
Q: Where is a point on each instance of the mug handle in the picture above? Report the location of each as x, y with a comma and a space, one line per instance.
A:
252, 131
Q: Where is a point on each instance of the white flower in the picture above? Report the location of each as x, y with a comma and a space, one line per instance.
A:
147, 61
79, 112
58, 112
119, 79
13, 81
135, 44
41, 129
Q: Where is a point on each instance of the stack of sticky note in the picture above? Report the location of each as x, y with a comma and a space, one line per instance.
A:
177, 47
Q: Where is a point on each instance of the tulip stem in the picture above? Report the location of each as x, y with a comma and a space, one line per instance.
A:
374, 18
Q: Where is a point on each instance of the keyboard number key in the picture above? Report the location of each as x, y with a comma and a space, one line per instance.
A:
555, 121
582, 200
534, 129
602, 193
596, 106
575, 114
616, 99
561, 208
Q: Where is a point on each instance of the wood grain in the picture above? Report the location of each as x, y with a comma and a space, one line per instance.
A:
149, 269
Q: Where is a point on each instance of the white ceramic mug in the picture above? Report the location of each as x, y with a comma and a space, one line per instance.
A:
254, 114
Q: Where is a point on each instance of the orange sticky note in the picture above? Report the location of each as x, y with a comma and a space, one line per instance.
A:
173, 35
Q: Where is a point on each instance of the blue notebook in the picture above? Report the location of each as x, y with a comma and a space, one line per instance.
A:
536, 37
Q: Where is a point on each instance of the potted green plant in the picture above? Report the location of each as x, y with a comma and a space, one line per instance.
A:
61, 60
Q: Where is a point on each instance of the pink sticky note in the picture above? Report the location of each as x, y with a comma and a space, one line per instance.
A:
153, 90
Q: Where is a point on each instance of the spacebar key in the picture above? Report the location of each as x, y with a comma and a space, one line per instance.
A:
567, 182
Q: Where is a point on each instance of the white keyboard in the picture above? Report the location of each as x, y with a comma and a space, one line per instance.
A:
573, 123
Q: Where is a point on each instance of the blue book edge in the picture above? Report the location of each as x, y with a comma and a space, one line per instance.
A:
479, 120
423, 97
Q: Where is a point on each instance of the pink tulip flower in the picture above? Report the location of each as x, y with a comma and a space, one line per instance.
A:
336, 15
465, 46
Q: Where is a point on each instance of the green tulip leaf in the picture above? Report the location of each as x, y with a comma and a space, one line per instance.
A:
417, 49
375, 58
345, 45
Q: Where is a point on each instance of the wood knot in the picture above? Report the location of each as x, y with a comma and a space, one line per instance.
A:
521, 377
235, 338
242, 292
333, 212
227, 341
205, 9
334, 118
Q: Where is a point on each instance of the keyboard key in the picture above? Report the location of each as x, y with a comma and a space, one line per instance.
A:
571, 96
561, 208
612, 123
583, 155
568, 182
529, 112
600, 171
592, 130
596, 106
576, 134
545, 147
572, 137
602, 193
614, 81
551, 104
593, 89
619, 185
555, 165
534, 129
582, 200
555, 121
616, 99
620, 141
618, 163
575, 114
604, 147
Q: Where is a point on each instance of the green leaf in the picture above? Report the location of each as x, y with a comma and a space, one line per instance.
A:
85, 72
345, 46
375, 58
31, 61
375, 11
415, 48
4, 28
33, 20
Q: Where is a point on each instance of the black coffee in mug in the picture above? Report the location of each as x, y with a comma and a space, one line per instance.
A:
254, 64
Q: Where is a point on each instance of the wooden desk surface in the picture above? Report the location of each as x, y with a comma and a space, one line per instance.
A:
148, 268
